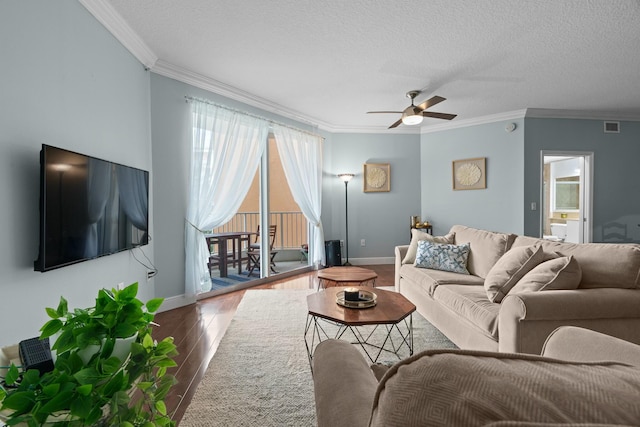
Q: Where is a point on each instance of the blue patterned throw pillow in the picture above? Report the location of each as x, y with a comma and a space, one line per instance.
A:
443, 257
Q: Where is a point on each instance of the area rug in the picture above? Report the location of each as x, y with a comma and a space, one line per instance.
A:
260, 374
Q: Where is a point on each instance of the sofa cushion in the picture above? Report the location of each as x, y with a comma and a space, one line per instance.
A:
465, 388
604, 265
472, 305
429, 280
556, 274
486, 247
439, 256
509, 269
418, 235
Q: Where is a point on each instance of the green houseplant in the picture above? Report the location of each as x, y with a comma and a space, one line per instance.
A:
89, 385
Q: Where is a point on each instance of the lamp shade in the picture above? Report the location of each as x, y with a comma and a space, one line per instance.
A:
412, 116
345, 177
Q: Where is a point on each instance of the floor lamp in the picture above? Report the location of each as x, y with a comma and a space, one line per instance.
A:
346, 177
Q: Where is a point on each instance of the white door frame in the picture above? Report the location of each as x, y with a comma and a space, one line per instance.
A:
586, 184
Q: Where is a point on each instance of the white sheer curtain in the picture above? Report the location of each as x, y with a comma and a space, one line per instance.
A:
225, 154
133, 186
301, 156
98, 192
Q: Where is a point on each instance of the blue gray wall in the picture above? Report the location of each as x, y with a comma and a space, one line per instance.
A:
381, 218
66, 82
499, 206
616, 185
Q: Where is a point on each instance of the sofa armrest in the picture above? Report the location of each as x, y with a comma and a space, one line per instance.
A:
400, 252
526, 320
584, 345
344, 385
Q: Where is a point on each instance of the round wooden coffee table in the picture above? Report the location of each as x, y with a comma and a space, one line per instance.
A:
346, 276
393, 312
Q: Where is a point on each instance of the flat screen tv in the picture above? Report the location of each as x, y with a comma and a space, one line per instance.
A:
88, 208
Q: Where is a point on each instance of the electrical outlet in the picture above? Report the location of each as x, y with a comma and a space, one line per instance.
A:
150, 274
363, 242
120, 286
342, 243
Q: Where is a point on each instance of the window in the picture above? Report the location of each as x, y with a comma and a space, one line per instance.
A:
567, 194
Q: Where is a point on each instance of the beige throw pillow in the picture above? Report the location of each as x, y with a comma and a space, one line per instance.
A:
416, 236
556, 274
509, 269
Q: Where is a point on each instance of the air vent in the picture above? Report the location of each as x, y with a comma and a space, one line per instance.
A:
611, 127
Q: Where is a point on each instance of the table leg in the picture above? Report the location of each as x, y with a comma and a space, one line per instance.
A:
238, 241
222, 254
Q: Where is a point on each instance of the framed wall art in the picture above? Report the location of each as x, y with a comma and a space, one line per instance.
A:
469, 174
377, 177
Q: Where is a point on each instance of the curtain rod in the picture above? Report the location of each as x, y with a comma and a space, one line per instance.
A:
270, 121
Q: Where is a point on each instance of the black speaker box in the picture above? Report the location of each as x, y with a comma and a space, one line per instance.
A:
332, 253
35, 354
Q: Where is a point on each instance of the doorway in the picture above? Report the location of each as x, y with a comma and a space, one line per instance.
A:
269, 205
567, 196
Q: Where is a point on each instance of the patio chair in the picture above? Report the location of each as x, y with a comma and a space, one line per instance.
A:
253, 252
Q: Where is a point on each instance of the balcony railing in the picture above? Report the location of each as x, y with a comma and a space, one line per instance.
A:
291, 231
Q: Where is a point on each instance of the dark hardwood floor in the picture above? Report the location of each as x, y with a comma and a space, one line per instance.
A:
198, 328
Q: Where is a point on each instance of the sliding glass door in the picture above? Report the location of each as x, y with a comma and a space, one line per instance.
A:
269, 205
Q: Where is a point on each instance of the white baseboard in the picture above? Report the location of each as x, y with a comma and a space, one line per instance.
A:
176, 302
372, 261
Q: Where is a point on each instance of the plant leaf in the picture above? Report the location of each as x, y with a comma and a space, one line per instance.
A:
87, 376
94, 416
165, 347
81, 406
63, 307
166, 363
52, 313
115, 384
154, 304
144, 385
20, 401
147, 341
161, 407
51, 389
59, 402
65, 342
12, 375
129, 292
124, 330
84, 390
50, 328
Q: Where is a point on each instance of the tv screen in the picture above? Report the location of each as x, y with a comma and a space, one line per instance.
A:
88, 208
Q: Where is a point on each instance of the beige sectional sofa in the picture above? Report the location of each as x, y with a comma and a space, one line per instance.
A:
601, 291
584, 379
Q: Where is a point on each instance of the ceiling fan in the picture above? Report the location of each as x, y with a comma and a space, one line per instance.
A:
413, 115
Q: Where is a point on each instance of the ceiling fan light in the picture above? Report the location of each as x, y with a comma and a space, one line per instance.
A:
412, 116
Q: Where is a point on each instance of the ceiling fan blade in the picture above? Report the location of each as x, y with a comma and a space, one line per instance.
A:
434, 115
395, 125
431, 102
390, 112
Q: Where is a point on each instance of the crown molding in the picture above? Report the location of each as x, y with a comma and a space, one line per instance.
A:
492, 118
184, 75
548, 113
119, 28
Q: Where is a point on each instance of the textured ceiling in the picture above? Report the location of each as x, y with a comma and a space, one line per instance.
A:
331, 61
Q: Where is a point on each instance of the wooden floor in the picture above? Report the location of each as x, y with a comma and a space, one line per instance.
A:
198, 328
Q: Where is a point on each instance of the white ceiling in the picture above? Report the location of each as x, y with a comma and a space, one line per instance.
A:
328, 62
